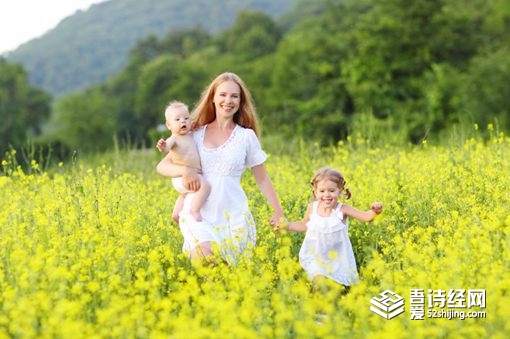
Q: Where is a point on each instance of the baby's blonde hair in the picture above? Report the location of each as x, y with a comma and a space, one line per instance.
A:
328, 173
173, 106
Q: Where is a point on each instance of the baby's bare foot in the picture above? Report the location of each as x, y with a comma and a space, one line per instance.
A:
196, 215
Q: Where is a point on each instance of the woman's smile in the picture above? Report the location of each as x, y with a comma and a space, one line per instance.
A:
227, 97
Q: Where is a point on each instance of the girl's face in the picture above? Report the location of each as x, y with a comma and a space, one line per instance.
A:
227, 99
327, 192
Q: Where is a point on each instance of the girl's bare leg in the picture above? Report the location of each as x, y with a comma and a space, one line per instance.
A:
323, 284
202, 254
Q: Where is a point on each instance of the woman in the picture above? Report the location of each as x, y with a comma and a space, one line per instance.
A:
226, 133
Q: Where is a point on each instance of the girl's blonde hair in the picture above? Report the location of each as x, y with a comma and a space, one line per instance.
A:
328, 173
205, 112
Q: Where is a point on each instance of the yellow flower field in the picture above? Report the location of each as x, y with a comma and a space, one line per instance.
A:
90, 251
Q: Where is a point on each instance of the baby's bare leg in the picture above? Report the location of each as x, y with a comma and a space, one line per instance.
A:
199, 199
179, 204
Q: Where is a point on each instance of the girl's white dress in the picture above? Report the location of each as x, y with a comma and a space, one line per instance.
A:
226, 217
327, 249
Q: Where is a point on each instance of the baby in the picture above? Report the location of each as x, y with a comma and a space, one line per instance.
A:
182, 150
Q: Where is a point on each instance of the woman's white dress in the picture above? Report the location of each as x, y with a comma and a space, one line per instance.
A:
327, 249
226, 217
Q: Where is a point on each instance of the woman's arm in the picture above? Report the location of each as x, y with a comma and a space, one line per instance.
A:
190, 176
267, 189
365, 216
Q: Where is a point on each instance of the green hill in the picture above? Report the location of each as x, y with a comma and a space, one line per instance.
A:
89, 46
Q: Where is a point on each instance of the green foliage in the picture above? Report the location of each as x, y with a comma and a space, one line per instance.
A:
184, 42
326, 71
392, 43
160, 81
253, 35
154, 82
486, 89
23, 107
84, 122
307, 76
406, 63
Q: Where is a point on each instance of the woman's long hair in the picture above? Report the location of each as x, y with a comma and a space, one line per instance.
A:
205, 112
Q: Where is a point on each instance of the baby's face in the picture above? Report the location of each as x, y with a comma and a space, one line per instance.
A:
179, 121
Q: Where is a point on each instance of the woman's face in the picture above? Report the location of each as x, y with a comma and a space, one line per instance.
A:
227, 99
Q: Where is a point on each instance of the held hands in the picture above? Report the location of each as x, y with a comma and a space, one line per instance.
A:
377, 207
279, 223
275, 220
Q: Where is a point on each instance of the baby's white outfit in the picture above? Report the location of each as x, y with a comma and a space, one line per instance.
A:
327, 249
179, 186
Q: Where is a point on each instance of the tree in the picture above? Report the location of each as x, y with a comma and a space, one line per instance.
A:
253, 35
23, 107
154, 82
394, 45
83, 122
486, 91
391, 58
184, 42
312, 99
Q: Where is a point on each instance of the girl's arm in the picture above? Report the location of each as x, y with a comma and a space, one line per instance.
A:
267, 189
365, 216
300, 226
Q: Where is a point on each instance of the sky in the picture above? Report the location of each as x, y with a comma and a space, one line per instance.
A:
24, 20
